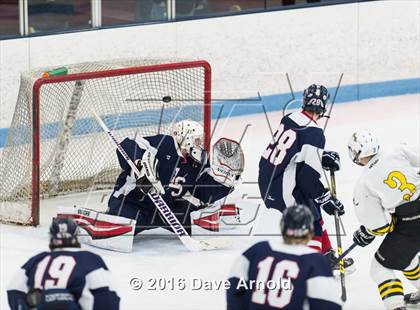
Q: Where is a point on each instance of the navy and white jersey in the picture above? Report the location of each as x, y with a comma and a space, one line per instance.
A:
290, 168
81, 273
177, 174
279, 276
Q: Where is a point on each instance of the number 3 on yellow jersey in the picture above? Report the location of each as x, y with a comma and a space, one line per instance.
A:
395, 176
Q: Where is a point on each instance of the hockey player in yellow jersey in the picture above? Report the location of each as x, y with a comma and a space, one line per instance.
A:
387, 203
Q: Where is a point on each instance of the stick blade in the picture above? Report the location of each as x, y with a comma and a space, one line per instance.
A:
217, 243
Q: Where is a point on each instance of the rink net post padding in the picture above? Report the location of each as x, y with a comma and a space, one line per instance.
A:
54, 145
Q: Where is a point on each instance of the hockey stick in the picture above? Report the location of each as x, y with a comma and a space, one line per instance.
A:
160, 204
340, 258
339, 245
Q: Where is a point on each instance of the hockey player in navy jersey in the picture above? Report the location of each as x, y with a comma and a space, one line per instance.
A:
174, 166
299, 275
290, 168
64, 278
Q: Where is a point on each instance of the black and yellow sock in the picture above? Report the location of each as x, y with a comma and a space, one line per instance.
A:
413, 274
389, 288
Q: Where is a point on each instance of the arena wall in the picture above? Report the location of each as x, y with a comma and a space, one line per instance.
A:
372, 49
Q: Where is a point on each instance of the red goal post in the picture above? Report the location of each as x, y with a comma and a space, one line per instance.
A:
137, 97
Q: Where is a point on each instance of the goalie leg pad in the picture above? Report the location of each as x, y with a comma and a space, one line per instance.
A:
212, 218
229, 209
101, 230
206, 220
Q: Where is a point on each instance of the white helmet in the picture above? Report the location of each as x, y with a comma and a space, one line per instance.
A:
362, 143
189, 135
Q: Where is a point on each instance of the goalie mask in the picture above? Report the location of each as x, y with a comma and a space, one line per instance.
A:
362, 144
189, 135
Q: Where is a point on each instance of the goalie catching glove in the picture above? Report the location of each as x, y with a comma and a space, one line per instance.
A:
148, 179
227, 162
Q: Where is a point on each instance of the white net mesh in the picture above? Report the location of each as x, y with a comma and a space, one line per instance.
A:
75, 154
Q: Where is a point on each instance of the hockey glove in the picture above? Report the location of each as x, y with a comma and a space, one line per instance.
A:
148, 179
362, 237
331, 161
329, 203
227, 162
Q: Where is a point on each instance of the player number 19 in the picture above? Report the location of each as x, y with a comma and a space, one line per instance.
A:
55, 272
283, 140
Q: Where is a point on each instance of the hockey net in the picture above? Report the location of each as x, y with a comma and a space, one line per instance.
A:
55, 146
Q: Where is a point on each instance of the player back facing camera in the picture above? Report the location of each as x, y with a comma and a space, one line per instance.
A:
291, 260
66, 277
290, 169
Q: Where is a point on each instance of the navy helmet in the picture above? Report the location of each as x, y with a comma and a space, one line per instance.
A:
297, 222
315, 99
63, 233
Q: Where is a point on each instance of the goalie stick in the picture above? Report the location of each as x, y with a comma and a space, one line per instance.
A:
190, 243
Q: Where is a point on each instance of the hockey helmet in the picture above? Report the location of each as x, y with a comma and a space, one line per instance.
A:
297, 222
315, 99
63, 233
189, 135
362, 143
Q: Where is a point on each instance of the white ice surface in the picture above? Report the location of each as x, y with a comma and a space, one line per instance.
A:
160, 255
